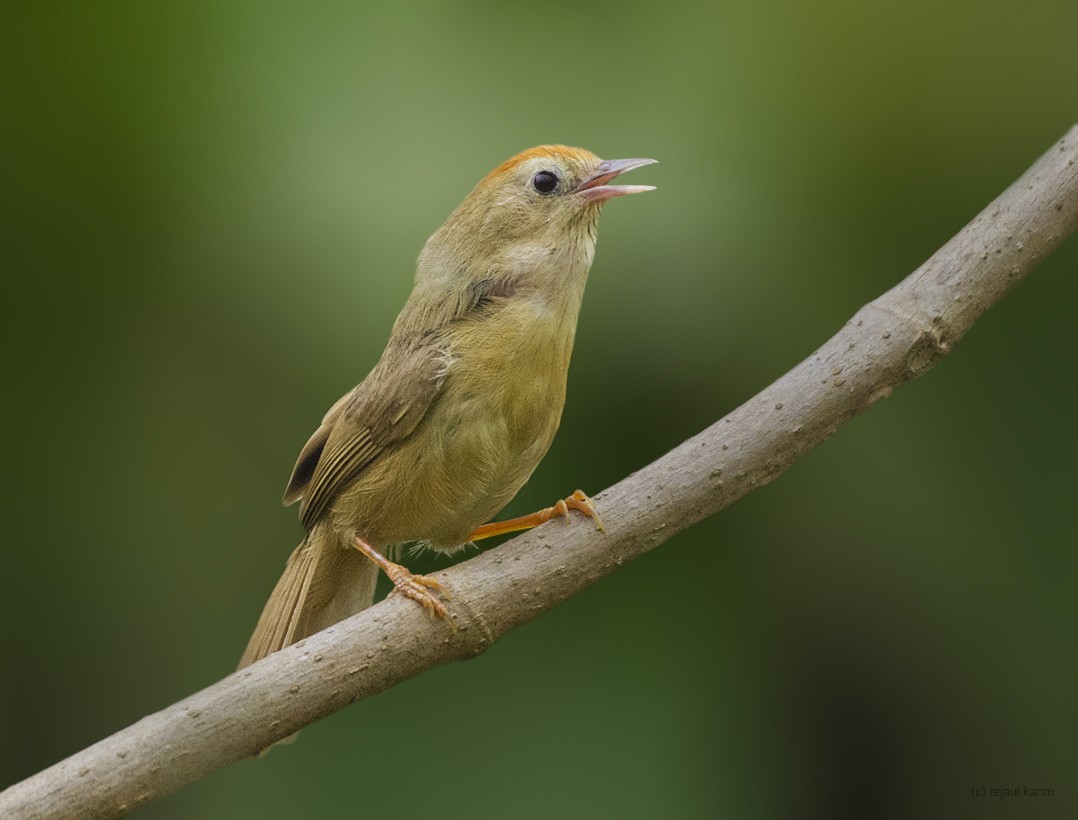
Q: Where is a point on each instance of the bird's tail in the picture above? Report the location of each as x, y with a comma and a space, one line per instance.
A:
324, 582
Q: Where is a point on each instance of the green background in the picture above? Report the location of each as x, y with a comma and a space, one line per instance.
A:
214, 212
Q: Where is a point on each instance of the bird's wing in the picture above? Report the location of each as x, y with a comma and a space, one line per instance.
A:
384, 409
311, 452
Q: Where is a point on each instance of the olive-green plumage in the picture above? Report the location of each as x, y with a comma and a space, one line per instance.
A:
467, 395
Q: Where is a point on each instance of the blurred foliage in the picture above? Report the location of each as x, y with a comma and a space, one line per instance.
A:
214, 214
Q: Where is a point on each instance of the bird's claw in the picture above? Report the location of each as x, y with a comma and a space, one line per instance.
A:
418, 588
580, 501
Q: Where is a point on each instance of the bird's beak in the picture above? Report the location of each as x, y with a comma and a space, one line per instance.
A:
595, 189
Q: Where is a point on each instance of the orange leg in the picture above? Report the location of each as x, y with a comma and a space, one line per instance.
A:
577, 501
416, 587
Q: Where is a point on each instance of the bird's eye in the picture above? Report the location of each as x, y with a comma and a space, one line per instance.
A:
545, 182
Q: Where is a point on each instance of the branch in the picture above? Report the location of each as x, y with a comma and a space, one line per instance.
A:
892, 339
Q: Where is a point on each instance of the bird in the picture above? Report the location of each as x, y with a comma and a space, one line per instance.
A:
463, 403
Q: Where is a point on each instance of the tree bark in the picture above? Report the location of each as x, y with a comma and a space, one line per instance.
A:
892, 339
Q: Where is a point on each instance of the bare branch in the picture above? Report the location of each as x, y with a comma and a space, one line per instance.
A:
896, 337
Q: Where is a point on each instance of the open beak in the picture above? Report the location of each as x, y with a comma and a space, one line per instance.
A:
595, 189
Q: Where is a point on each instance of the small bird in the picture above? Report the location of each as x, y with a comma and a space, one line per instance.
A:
463, 403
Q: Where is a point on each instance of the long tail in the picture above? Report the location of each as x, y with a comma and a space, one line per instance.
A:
323, 583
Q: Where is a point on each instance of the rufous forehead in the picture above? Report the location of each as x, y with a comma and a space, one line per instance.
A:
557, 152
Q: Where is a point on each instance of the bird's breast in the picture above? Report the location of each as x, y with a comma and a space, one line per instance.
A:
511, 367
500, 405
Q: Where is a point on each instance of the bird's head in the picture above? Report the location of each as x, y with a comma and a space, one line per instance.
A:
537, 209
556, 181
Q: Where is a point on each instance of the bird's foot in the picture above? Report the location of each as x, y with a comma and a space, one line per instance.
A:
577, 501
420, 588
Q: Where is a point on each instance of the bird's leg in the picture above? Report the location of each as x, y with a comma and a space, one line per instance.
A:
577, 501
416, 587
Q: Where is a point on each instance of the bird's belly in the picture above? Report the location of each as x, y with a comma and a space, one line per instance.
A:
478, 444
480, 441
489, 442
